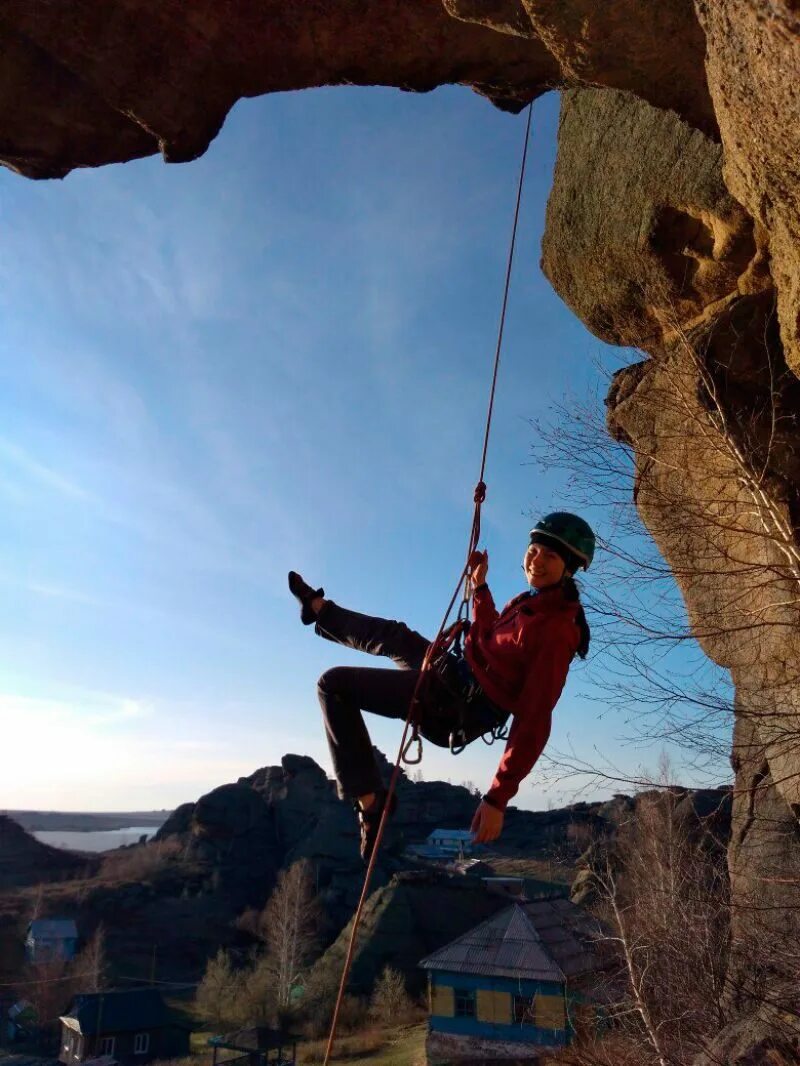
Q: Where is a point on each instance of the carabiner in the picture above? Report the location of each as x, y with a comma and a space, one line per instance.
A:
406, 758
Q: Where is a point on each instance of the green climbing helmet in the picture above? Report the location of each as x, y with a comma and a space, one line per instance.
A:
571, 531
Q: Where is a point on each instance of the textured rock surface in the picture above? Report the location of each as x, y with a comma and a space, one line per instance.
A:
621, 44
753, 65
726, 546
641, 229
712, 420
86, 85
129, 78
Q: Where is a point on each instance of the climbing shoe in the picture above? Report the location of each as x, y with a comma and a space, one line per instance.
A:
304, 594
370, 820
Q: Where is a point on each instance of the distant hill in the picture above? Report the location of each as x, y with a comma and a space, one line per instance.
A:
88, 821
24, 861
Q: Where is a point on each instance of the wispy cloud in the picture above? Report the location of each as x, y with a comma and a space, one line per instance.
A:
40, 472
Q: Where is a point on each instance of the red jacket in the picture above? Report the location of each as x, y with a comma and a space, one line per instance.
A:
520, 658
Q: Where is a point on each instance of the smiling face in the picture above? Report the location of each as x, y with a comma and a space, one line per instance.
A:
542, 566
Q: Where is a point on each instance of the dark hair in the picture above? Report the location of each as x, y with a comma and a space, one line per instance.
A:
572, 595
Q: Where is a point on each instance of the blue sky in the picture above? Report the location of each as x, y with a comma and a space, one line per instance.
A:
274, 357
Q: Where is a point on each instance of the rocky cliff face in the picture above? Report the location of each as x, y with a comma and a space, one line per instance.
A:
657, 253
674, 225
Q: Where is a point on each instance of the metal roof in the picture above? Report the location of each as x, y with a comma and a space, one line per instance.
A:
53, 929
507, 945
547, 940
568, 933
116, 1011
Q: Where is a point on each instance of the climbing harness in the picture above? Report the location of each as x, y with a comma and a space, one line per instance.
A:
445, 638
450, 685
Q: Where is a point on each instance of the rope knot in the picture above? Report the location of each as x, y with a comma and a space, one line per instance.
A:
480, 492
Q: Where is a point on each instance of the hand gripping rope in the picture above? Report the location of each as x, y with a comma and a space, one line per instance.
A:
444, 637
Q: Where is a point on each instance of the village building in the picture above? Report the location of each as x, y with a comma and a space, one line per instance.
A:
521, 982
452, 841
444, 845
131, 1027
51, 938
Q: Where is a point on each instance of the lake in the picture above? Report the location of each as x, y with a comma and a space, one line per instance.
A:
96, 839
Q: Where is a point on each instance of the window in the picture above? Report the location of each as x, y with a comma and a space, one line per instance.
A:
107, 1045
465, 1002
523, 1010
141, 1044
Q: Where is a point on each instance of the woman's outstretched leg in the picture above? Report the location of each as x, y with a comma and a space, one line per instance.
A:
363, 632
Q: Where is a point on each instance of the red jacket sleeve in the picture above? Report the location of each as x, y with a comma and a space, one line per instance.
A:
484, 612
530, 729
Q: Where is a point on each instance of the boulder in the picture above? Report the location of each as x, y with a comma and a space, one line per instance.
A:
642, 237
752, 65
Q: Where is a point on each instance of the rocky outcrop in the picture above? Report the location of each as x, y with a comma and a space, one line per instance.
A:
753, 68
407, 919
87, 85
625, 44
242, 834
701, 816
711, 418
642, 235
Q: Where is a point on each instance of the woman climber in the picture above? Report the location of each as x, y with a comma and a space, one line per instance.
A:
515, 663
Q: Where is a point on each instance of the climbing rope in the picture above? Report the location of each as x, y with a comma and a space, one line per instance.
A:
443, 638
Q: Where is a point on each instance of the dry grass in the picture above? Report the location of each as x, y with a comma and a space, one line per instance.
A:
142, 862
557, 871
357, 1046
403, 1046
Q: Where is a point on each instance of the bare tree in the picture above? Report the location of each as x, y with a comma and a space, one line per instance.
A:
390, 1003
663, 896
90, 967
289, 924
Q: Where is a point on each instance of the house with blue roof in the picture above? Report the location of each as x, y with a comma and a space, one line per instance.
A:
515, 985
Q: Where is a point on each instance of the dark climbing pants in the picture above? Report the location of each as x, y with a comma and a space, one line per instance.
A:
346, 691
